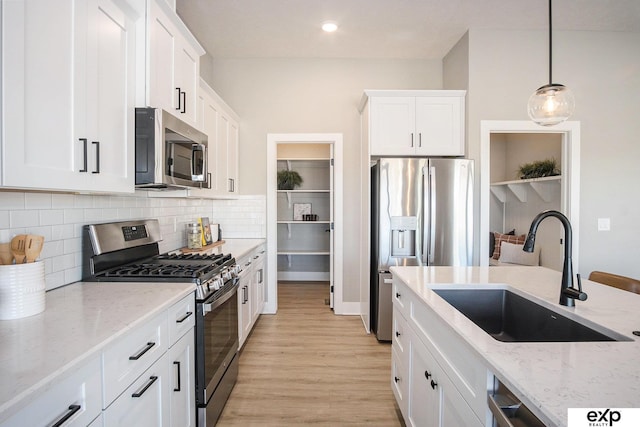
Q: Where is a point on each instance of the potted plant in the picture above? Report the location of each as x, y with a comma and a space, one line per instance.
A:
288, 179
539, 169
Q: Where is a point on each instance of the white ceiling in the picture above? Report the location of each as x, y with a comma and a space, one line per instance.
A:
417, 29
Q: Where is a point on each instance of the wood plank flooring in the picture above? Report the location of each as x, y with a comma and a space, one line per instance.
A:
306, 365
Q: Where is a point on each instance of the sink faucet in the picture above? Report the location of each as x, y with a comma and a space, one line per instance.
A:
567, 292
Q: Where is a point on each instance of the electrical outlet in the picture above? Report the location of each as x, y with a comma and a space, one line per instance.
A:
604, 224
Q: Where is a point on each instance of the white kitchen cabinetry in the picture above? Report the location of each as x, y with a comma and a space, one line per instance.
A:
164, 394
145, 402
304, 247
441, 383
76, 398
251, 291
257, 294
245, 321
68, 110
415, 123
173, 63
220, 123
181, 384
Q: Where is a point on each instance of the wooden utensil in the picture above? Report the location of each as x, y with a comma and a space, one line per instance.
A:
6, 257
33, 247
17, 248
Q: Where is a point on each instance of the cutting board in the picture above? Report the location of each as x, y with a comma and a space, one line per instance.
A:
186, 250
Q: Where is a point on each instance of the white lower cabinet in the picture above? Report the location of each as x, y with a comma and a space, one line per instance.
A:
145, 402
75, 400
251, 291
436, 381
433, 399
181, 382
245, 322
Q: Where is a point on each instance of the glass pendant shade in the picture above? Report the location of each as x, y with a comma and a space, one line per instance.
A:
551, 104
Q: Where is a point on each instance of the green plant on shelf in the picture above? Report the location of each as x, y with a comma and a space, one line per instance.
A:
288, 179
539, 169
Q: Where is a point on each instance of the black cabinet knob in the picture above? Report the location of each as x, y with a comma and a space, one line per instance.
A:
396, 379
398, 295
398, 334
427, 374
434, 384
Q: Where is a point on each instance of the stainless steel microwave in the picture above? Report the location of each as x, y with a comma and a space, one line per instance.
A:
169, 152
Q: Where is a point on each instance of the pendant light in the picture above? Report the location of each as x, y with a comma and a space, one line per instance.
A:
552, 103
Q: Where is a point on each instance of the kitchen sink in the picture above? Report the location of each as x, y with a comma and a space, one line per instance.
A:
509, 317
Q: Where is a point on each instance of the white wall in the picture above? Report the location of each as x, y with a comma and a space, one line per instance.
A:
603, 70
312, 95
59, 218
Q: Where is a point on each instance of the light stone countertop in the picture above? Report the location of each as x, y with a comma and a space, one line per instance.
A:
79, 321
549, 378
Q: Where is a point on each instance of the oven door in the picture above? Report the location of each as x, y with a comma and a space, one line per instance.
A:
216, 341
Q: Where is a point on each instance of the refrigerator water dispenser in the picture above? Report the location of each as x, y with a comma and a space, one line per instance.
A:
403, 236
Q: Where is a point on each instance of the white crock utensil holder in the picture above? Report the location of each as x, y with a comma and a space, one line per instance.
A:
22, 290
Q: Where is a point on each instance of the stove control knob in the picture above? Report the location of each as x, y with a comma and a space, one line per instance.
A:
217, 283
227, 274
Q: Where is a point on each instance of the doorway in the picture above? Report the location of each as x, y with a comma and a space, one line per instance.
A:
304, 224
498, 187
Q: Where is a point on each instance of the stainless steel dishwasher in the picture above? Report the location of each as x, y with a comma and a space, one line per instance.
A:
508, 410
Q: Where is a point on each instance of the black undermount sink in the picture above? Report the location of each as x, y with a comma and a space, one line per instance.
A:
508, 317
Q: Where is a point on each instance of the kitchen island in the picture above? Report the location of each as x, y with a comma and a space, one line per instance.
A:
548, 377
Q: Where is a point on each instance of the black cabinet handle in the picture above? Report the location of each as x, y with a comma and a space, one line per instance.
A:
178, 366
396, 379
185, 317
434, 384
398, 334
427, 374
398, 295
143, 351
72, 410
84, 142
184, 102
97, 144
149, 383
179, 107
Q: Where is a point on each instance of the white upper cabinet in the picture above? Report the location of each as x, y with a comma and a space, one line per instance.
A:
416, 123
69, 71
173, 58
220, 124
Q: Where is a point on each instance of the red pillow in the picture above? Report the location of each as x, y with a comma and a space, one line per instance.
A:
509, 238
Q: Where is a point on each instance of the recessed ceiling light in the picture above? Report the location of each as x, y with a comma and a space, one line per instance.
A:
329, 26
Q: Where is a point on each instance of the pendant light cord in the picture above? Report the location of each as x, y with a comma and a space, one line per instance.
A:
550, 44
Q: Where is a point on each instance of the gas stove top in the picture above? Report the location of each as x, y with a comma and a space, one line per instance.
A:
128, 252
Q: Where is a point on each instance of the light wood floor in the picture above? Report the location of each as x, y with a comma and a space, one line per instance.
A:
306, 365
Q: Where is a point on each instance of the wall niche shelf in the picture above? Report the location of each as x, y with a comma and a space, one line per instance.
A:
519, 188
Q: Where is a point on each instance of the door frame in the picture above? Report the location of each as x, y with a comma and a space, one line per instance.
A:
570, 167
273, 139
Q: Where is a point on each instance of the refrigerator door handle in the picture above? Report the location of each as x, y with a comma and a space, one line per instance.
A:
425, 216
432, 214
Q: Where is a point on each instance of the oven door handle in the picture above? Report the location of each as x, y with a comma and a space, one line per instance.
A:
206, 308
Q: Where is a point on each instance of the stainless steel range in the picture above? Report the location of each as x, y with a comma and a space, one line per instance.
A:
129, 252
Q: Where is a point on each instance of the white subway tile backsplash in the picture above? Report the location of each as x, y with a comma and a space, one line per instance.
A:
12, 200
37, 201
24, 218
60, 218
51, 217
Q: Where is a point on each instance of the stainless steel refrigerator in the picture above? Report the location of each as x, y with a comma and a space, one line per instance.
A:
421, 215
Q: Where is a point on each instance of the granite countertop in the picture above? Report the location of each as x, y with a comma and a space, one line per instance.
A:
79, 321
549, 378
